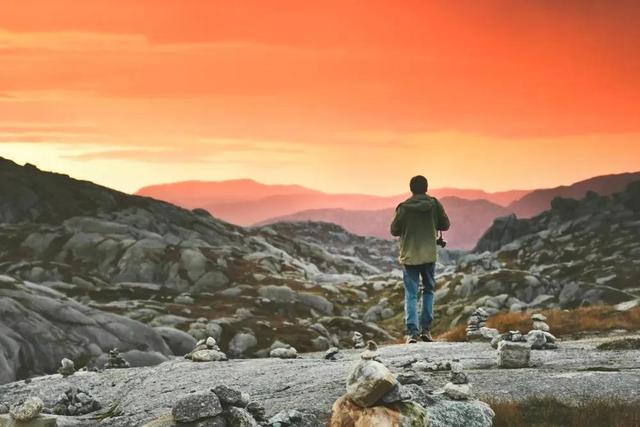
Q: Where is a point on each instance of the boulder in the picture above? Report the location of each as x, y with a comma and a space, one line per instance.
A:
231, 397
196, 406
284, 353
368, 382
317, 302
459, 413
27, 410
241, 343
279, 294
345, 413
513, 355
178, 341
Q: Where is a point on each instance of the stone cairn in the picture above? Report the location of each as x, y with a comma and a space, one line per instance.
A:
206, 351
511, 336
115, 361
76, 402
375, 396
539, 338
477, 329
67, 367
458, 387
221, 406
358, 340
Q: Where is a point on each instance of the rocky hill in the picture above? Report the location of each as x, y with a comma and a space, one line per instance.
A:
579, 253
538, 201
140, 274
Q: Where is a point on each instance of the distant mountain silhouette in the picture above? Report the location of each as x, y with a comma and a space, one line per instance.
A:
539, 201
469, 217
246, 202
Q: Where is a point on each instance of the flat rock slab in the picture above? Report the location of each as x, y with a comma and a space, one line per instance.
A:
576, 371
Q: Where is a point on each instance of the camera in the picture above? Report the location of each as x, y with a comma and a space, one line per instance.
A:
441, 242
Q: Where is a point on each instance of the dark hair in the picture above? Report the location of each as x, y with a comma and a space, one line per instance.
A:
418, 184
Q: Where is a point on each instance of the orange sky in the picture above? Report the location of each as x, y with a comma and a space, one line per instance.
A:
344, 96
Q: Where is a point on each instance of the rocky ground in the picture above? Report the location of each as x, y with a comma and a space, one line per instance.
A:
577, 371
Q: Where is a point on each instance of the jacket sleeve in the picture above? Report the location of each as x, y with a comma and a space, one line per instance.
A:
443, 222
397, 225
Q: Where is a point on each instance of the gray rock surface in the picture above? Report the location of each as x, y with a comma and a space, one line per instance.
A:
569, 373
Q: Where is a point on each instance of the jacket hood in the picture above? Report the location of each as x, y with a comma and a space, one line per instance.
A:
419, 202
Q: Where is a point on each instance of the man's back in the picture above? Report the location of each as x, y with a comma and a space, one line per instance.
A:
416, 222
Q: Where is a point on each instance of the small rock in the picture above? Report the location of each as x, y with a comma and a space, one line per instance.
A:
396, 394
541, 326
539, 317
293, 418
211, 343
67, 367
27, 410
257, 410
358, 340
457, 391
208, 356
371, 353
331, 353
457, 375
196, 406
368, 382
536, 339
239, 417
284, 353
409, 377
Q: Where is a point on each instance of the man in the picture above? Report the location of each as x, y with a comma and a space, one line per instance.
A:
417, 221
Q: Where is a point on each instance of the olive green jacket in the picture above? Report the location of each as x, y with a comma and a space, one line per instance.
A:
417, 222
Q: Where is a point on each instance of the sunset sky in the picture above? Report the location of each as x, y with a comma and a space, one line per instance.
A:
342, 96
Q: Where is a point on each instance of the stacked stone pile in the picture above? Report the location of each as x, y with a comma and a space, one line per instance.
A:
67, 367
74, 402
375, 397
511, 336
358, 340
206, 351
539, 338
477, 326
115, 361
221, 406
458, 387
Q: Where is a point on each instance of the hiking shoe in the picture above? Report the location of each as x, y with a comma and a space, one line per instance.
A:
412, 340
426, 336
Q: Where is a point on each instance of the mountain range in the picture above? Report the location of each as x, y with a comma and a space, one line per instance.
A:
247, 202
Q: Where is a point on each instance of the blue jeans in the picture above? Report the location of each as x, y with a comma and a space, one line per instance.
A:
412, 275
